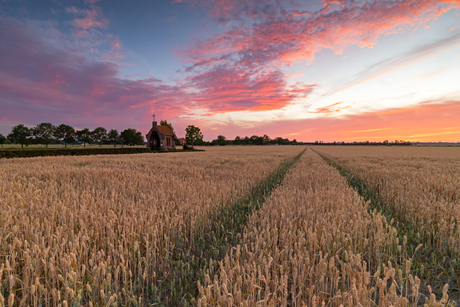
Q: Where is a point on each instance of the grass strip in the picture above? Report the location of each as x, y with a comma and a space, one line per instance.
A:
435, 268
210, 241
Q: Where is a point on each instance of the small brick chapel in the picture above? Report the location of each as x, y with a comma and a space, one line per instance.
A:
160, 137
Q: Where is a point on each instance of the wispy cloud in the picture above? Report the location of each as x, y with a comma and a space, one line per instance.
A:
86, 19
367, 130
89, 30
282, 35
404, 60
332, 108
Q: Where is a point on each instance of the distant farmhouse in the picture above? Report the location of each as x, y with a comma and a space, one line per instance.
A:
181, 141
160, 137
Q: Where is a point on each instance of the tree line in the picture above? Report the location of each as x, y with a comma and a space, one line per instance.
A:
47, 133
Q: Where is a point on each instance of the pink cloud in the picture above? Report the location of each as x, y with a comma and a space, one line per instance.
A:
87, 19
224, 11
282, 34
44, 82
224, 89
92, 18
73, 10
116, 47
85, 23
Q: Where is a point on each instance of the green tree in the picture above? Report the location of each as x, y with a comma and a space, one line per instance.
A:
20, 134
193, 134
99, 135
169, 125
221, 140
69, 136
132, 137
257, 140
65, 133
44, 132
2, 139
266, 139
84, 136
279, 141
113, 137
237, 141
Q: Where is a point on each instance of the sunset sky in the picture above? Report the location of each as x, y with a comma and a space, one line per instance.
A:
331, 70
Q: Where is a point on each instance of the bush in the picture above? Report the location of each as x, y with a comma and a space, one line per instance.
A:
70, 152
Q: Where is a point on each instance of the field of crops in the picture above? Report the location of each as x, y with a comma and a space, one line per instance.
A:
102, 229
232, 226
419, 188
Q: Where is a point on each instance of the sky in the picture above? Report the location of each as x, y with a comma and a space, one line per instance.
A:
330, 70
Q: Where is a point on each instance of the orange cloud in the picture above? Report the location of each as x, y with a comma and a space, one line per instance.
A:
333, 108
425, 122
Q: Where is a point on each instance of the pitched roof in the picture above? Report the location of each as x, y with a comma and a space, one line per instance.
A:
164, 130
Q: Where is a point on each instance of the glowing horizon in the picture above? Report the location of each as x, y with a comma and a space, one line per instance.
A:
310, 70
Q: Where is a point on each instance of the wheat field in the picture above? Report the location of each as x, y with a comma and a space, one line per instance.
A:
231, 226
315, 244
421, 184
421, 187
98, 230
